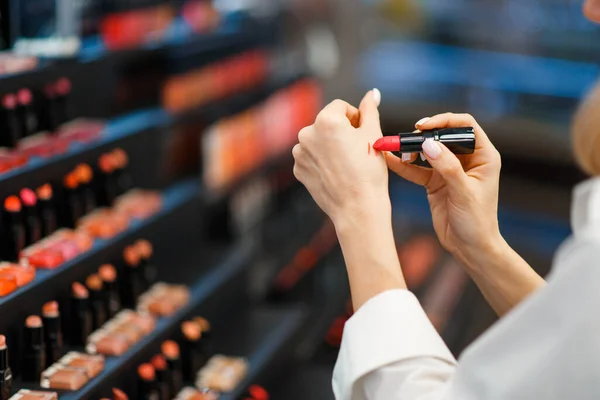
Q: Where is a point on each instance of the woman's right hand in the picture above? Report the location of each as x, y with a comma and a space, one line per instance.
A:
462, 190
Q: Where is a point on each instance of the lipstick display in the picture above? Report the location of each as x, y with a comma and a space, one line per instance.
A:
170, 350
81, 318
147, 389
97, 300
47, 210
108, 274
26, 112
72, 207
9, 120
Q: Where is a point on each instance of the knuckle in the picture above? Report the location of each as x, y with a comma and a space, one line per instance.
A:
304, 135
327, 120
297, 151
297, 173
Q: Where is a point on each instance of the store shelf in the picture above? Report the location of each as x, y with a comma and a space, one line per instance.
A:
208, 286
308, 381
48, 284
264, 337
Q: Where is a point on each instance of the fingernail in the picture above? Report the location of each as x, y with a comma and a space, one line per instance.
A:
423, 157
422, 121
432, 149
377, 96
406, 157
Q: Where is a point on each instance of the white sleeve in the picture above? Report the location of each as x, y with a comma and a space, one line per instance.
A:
546, 348
390, 346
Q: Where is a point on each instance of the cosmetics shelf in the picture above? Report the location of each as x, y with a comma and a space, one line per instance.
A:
206, 293
126, 128
265, 337
307, 381
48, 284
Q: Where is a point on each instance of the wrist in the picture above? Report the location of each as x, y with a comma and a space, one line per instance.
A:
362, 215
487, 253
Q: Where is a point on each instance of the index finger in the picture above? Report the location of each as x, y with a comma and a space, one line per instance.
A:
451, 120
340, 107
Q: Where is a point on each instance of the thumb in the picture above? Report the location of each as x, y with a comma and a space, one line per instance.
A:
369, 114
446, 164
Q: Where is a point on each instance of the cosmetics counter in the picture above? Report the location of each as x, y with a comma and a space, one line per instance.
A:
155, 241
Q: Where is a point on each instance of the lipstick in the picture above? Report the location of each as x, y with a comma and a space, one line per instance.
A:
62, 89
162, 377
52, 331
73, 209
84, 175
51, 112
34, 354
147, 268
122, 177
193, 355
133, 285
257, 392
108, 273
97, 300
46, 209
11, 128
81, 318
170, 350
26, 113
107, 187
14, 229
147, 383
33, 230
458, 140
5, 372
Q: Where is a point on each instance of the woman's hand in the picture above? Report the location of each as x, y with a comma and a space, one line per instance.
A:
336, 163
349, 181
463, 197
462, 190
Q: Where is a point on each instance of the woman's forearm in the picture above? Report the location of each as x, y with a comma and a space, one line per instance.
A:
503, 276
369, 249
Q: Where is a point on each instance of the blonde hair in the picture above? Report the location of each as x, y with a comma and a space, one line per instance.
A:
585, 132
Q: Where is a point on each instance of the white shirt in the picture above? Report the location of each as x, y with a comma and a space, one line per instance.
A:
548, 347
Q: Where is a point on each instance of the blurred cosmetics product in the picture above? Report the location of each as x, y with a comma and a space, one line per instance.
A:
133, 285
191, 393
72, 207
147, 388
222, 373
91, 364
5, 371
104, 223
194, 356
47, 210
26, 394
11, 63
84, 175
33, 232
206, 332
26, 112
107, 187
120, 333
97, 300
8, 283
50, 121
80, 319
52, 331
162, 377
163, 299
34, 353
14, 230
122, 177
23, 274
419, 256
256, 392
149, 271
108, 273
59, 377
9, 118
62, 89
61, 246
139, 204
170, 349
118, 394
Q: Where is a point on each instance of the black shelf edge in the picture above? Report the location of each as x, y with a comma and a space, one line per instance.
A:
207, 286
266, 337
48, 283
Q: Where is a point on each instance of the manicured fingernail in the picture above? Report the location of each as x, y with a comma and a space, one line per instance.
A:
432, 149
422, 121
406, 157
423, 157
377, 96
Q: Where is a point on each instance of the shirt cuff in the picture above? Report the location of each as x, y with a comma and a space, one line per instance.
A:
388, 328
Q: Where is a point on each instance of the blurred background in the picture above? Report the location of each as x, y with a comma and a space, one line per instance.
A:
207, 97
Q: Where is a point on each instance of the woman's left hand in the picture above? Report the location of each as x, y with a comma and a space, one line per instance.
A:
336, 162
